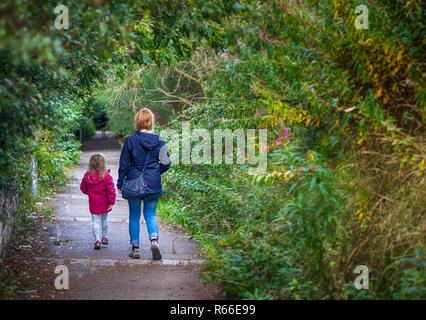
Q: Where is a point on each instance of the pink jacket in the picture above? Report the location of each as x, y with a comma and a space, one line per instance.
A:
101, 192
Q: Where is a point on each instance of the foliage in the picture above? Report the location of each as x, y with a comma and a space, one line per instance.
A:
161, 89
261, 243
347, 182
413, 281
47, 73
344, 109
91, 127
54, 155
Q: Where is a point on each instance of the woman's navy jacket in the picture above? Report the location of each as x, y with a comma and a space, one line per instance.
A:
133, 155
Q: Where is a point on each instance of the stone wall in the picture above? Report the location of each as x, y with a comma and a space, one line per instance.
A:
9, 203
8, 206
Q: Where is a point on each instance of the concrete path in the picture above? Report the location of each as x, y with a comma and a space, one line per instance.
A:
109, 273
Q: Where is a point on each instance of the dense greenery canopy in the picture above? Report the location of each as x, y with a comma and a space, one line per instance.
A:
344, 108
47, 73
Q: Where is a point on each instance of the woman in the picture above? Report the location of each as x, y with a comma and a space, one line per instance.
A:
132, 159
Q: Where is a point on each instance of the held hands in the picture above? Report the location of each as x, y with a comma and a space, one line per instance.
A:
119, 191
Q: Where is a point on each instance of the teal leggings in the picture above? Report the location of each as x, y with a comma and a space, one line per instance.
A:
100, 226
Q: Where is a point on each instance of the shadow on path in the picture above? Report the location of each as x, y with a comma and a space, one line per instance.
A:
100, 141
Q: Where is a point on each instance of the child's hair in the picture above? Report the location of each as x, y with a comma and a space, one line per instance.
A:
144, 119
97, 163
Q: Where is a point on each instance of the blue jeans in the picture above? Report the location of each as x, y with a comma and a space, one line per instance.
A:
149, 209
100, 226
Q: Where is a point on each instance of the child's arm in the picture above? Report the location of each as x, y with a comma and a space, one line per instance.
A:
110, 190
83, 186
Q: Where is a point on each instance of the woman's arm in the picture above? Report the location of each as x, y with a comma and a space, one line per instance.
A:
124, 164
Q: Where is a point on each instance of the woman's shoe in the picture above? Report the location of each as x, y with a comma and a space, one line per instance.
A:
97, 245
134, 252
155, 248
104, 241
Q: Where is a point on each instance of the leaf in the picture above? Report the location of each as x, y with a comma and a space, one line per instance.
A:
349, 109
378, 93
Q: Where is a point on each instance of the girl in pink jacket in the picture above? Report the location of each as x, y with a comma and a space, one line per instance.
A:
99, 185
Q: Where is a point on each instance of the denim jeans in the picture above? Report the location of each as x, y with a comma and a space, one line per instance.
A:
100, 226
149, 209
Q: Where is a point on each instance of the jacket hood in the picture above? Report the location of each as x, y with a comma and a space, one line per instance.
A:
148, 140
93, 177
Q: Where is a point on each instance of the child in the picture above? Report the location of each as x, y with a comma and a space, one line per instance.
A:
99, 185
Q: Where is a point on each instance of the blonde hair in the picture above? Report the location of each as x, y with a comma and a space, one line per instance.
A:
97, 163
144, 119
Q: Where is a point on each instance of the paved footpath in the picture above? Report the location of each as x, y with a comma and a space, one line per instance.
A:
109, 273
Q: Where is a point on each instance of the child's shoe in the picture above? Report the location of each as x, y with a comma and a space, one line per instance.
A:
104, 241
97, 245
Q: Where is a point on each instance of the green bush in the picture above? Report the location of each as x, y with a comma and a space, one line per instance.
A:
54, 154
263, 241
90, 128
